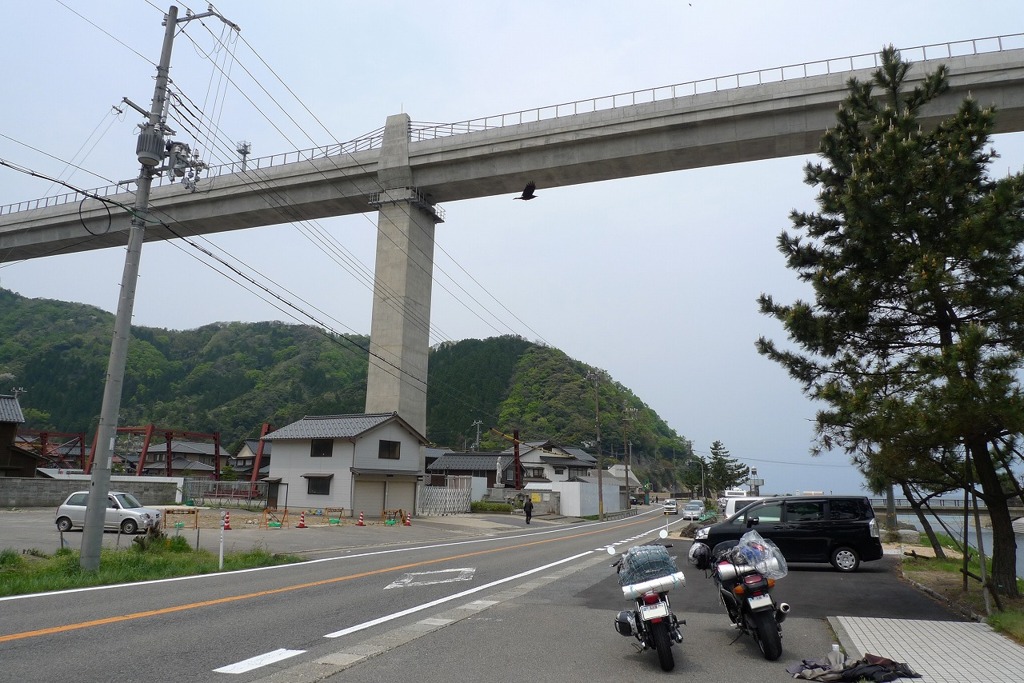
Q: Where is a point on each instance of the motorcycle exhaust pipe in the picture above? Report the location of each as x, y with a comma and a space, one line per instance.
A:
782, 611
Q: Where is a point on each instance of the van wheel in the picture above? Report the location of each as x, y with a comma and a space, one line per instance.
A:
845, 559
64, 524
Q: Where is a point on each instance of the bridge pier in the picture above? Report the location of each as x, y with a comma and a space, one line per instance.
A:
403, 277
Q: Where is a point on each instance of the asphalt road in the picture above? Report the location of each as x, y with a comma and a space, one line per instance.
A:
442, 600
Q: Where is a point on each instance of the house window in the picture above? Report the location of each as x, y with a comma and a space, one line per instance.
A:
389, 450
318, 486
321, 448
559, 470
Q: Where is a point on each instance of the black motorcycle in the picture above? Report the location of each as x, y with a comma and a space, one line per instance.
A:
646, 574
745, 573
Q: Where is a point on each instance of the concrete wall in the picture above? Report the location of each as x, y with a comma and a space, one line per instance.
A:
19, 492
580, 499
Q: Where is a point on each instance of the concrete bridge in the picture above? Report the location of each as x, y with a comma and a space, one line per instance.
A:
403, 171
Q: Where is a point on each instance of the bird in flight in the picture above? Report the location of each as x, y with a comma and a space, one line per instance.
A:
527, 191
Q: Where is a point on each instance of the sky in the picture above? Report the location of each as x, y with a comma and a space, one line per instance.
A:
654, 279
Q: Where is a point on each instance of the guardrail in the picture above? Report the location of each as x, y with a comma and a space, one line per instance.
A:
429, 131
945, 503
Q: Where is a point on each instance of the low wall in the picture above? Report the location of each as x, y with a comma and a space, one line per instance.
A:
25, 492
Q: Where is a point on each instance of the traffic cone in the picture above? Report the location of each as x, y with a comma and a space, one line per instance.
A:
227, 521
360, 522
408, 519
302, 521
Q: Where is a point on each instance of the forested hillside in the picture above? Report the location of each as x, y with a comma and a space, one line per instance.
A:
233, 377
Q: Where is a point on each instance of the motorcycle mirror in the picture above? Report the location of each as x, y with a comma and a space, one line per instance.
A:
611, 550
663, 533
752, 522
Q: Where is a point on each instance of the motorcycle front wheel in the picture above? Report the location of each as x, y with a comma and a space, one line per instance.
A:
663, 644
768, 635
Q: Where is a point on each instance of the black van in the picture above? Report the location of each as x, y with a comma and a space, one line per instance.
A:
841, 530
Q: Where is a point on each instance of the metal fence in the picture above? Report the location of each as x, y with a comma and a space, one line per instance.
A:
207, 492
440, 500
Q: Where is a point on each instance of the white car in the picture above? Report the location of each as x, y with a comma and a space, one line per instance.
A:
124, 512
671, 507
693, 510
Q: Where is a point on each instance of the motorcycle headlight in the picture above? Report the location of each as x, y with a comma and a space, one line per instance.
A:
702, 533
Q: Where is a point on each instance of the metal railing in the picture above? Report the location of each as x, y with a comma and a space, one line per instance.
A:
760, 77
946, 503
430, 131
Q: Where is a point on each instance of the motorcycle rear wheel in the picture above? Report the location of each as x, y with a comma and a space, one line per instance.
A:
768, 635
663, 644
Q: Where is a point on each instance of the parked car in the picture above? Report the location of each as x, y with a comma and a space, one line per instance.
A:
124, 512
671, 507
734, 505
841, 530
693, 510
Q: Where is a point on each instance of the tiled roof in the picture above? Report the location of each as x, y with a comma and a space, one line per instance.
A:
10, 410
253, 444
469, 461
334, 426
185, 447
580, 454
563, 461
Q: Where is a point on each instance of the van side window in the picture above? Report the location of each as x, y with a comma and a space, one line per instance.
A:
805, 511
845, 508
772, 512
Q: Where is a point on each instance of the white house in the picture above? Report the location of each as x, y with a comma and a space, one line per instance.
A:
362, 463
545, 461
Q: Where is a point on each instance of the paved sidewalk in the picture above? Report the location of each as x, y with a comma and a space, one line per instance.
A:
941, 651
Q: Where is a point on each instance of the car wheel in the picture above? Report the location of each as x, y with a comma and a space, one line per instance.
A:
129, 526
64, 524
845, 559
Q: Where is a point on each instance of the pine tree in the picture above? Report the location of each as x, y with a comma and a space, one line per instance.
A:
916, 335
724, 472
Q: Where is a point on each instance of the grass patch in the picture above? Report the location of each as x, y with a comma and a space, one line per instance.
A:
159, 557
944, 578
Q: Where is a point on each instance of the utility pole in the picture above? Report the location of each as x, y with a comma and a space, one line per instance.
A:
150, 150
476, 444
628, 415
600, 459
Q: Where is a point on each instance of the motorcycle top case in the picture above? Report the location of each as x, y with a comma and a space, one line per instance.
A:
648, 568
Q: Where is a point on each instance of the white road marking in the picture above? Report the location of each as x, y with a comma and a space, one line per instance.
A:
456, 596
258, 661
416, 578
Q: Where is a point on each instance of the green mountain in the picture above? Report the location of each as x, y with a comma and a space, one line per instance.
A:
233, 377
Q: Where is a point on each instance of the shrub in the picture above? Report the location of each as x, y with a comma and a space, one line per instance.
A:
490, 506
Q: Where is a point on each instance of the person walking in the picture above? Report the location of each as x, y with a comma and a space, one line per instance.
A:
528, 509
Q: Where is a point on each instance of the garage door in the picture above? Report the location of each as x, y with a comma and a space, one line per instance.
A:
368, 497
402, 494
